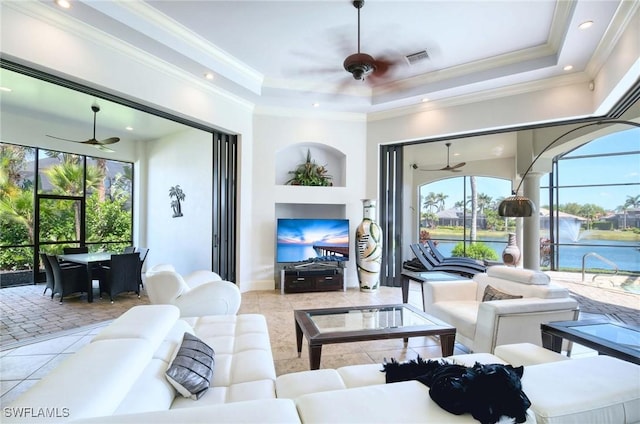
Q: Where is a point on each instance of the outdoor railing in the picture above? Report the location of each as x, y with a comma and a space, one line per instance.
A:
603, 259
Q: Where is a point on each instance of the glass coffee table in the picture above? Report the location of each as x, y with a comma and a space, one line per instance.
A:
606, 337
362, 323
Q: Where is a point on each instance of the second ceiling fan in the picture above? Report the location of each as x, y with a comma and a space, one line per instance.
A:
449, 167
98, 144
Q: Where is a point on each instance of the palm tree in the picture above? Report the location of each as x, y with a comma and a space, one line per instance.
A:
18, 207
430, 202
633, 201
440, 198
484, 201
67, 179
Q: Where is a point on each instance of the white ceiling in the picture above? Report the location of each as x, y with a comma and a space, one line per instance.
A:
290, 53
284, 53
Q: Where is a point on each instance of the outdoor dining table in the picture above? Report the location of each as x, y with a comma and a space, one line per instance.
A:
88, 259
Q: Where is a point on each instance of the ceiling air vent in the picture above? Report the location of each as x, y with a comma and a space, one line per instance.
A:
416, 57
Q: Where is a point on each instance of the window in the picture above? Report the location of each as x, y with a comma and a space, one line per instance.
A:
79, 200
596, 213
446, 215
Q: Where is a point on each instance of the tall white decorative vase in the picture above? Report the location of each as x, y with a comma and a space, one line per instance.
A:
368, 248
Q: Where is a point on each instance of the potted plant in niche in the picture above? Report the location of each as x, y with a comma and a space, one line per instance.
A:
310, 173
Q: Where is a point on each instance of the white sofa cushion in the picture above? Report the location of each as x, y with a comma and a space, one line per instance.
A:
462, 314
257, 411
527, 354
148, 322
293, 385
92, 382
598, 389
524, 276
405, 402
151, 391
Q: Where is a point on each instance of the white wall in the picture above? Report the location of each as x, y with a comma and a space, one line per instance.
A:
182, 159
274, 133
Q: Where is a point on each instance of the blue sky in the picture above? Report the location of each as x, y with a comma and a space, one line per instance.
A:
603, 170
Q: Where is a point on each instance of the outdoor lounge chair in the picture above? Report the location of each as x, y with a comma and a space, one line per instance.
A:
429, 266
437, 258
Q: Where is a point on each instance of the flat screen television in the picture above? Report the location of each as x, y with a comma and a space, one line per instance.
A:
318, 240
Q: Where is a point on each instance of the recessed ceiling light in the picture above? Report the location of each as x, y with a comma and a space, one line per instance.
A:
63, 4
129, 128
424, 99
7, 89
568, 67
585, 25
208, 75
316, 104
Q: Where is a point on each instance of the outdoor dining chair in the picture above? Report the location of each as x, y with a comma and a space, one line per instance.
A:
122, 275
67, 279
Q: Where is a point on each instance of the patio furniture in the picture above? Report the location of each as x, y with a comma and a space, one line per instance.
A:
451, 260
143, 252
74, 250
48, 272
67, 279
122, 275
89, 260
429, 265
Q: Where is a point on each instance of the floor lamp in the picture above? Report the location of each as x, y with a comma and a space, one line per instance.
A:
521, 206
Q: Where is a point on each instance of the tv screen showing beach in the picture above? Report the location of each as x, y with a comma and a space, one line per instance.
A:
312, 240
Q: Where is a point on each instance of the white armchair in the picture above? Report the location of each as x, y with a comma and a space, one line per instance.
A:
205, 293
482, 325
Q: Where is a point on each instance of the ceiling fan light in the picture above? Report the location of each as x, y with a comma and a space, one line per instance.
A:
516, 206
359, 65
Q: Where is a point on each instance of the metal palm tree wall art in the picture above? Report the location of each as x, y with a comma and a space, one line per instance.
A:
178, 196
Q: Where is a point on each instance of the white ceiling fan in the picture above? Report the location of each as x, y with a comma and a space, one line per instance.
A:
452, 168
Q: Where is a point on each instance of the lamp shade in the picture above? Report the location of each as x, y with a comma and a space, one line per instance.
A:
516, 206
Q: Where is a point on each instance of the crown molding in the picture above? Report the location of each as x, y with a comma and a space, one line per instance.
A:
80, 29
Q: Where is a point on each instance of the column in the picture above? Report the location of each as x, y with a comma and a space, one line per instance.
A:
531, 224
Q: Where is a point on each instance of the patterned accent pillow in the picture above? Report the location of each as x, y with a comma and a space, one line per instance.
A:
191, 371
491, 293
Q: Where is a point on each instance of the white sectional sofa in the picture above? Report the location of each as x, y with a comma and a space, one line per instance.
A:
120, 378
483, 325
122, 371
598, 389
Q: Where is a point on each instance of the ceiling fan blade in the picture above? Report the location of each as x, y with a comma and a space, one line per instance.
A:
459, 165
91, 142
64, 139
109, 140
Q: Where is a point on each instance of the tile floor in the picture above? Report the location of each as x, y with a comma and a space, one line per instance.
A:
25, 361
22, 364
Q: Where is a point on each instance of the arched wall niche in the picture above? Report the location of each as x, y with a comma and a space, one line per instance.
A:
288, 158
